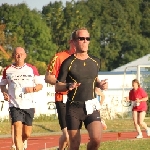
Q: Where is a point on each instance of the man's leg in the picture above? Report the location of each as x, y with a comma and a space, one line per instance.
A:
17, 118
64, 139
95, 133
18, 135
75, 114
26, 132
12, 133
27, 125
75, 139
13, 147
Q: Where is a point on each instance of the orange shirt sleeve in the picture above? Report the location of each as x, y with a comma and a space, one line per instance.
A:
54, 66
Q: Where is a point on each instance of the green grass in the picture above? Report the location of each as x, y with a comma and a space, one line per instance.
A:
137, 144
141, 144
49, 125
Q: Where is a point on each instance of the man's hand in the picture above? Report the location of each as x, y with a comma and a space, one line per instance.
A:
72, 86
29, 89
50, 78
103, 85
6, 96
37, 88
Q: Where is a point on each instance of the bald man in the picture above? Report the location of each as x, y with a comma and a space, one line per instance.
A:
22, 80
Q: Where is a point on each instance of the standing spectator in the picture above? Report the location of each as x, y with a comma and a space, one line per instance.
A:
138, 96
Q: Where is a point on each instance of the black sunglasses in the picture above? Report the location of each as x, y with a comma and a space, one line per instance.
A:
83, 38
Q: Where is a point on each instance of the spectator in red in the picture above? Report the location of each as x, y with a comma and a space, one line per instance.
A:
139, 98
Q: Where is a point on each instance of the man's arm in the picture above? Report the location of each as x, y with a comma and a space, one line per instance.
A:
100, 93
63, 87
37, 81
3, 89
3, 84
50, 78
103, 85
37, 88
5, 92
52, 70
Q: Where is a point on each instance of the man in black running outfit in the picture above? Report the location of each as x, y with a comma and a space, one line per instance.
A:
79, 75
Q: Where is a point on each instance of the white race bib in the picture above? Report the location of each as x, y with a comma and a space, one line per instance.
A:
65, 99
18, 93
92, 105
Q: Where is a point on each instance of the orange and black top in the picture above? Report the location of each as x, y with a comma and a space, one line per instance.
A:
54, 67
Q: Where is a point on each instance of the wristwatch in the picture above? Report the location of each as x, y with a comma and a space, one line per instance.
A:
57, 81
34, 89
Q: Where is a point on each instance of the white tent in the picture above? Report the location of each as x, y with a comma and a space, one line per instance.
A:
132, 66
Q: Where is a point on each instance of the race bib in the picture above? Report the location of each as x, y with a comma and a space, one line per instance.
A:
64, 99
92, 105
18, 93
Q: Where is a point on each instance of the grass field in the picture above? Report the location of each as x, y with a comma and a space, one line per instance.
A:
50, 125
141, 144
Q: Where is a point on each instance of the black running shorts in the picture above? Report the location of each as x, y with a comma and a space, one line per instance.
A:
23, 115
76, 114
61, 110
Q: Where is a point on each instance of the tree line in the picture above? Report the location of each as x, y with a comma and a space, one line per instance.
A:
119, 30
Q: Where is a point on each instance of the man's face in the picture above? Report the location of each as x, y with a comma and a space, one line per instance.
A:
82, 41
19, 55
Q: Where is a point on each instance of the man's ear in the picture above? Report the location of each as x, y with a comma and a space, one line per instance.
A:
25, 55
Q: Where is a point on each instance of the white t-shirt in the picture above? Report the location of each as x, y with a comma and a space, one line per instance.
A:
17, 79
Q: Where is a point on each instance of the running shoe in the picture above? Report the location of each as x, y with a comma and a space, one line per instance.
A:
25, 145
140, 136
148, 131
13, 147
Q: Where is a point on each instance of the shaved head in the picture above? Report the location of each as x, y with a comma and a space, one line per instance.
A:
19, 55
18, 49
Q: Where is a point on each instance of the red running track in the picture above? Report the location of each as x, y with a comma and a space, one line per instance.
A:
49, 141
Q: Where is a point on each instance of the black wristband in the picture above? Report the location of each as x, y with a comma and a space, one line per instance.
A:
68, 86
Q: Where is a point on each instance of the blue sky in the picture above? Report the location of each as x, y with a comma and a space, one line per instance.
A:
38, 4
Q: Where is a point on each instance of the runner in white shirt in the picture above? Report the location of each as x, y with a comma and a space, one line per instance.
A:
22, 80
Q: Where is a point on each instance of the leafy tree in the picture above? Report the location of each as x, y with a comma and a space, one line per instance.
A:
119, 30
29, 30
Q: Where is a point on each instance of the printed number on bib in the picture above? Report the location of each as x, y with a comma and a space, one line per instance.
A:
18, 93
